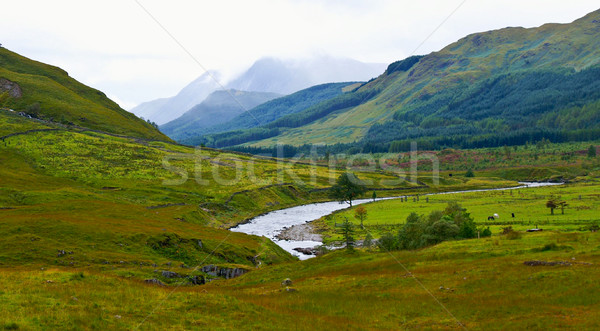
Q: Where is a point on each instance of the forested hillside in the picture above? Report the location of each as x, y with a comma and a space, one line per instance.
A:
503, 87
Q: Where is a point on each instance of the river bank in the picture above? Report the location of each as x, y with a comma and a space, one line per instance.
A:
290, 228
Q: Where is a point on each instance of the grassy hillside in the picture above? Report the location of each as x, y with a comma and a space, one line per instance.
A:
503, 87
477, 284
108, 198
47, 92
268, 112
87, 217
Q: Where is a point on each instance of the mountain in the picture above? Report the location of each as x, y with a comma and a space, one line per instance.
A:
243, 124
495, 88
48, 93
220, 107
266, 75
164, 110
288, 76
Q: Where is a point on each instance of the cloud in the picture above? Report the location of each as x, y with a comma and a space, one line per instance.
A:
114, 45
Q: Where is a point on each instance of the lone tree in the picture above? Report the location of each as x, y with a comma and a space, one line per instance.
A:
556, 202
347, 188
562, 205
347, 231
361, 214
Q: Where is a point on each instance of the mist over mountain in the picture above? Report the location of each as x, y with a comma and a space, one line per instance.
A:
265, 75
287, 76
219, 107
165, 110
503, 87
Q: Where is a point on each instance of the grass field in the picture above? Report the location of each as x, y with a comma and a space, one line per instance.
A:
86, 217
480, 283
528, 205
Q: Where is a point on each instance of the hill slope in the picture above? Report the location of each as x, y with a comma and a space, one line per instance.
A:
268, 112
162, 111
265, 75
219, 107
49, 93
500, 87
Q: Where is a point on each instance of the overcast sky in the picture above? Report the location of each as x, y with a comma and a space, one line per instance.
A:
117, 47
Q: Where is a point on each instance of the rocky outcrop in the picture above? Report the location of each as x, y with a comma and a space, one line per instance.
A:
306, 250
13, 89
224, 272
154, 281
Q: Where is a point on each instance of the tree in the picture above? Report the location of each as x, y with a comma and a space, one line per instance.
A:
553, 203
361, 214
562, 205
347, 231
591, 151
374, 196
347, 188
368, 242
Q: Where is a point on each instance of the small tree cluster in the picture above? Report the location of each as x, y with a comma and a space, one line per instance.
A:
419, 231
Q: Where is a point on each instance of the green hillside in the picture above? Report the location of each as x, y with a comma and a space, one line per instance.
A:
48, 93
502, 87
219, 107
261, 121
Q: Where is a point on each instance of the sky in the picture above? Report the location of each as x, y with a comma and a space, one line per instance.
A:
140, 50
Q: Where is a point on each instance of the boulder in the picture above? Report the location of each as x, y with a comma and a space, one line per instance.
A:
154, 281
286, 282
170, 274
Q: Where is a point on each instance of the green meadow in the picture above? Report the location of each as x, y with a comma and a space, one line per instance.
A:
474, 284
527, 204
86, 217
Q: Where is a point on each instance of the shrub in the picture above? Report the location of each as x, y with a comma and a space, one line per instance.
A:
368, 242
510, 233
486, 232
387, 242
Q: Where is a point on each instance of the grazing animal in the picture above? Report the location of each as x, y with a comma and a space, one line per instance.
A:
491, 218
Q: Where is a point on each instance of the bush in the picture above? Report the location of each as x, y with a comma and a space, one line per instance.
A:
387, 242
470, 173
33, 110
368, 242
486, 232
510, 233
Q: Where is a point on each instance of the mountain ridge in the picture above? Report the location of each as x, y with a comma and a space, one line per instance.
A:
49, 93
269, 74
415, 103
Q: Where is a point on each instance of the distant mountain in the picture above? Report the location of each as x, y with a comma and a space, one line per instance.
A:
266, 75
503, 87
220, 107
165, 110
277, 108
288, 76
48, 93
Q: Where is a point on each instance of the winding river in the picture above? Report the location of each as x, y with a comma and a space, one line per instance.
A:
271, 224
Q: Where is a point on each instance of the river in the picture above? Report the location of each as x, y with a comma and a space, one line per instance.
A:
271, 224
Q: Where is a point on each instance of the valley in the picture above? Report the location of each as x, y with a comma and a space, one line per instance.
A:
457, 189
